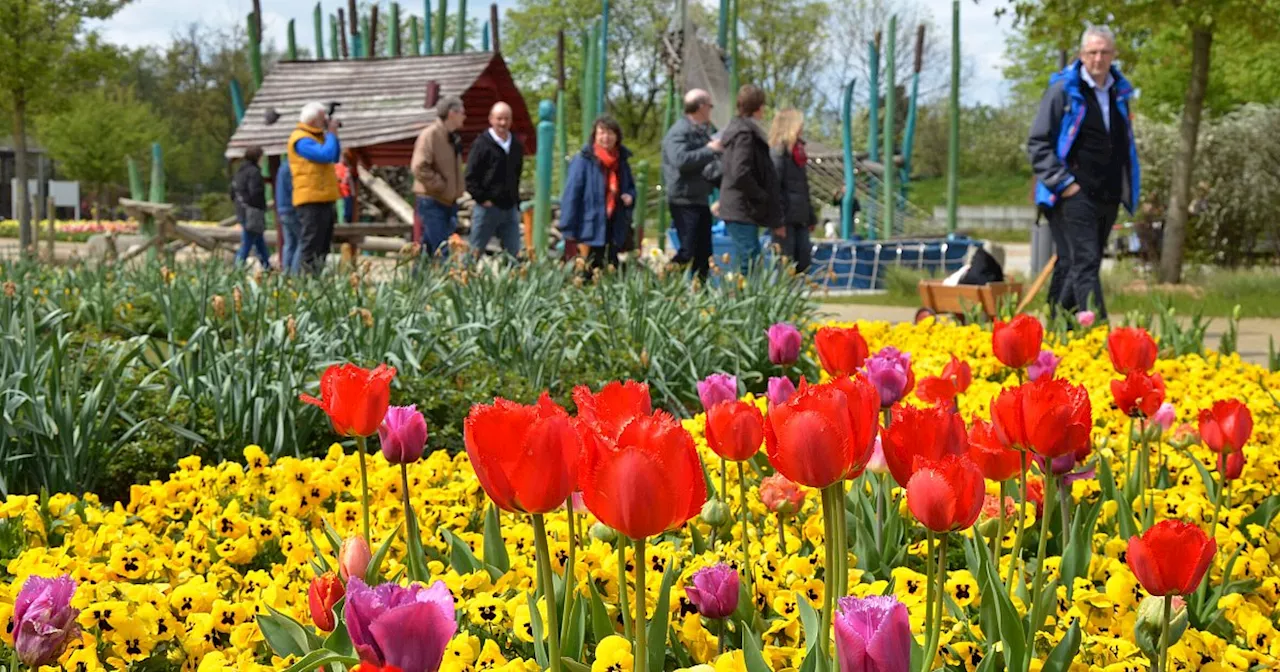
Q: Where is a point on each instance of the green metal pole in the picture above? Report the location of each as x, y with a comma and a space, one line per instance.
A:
366, 38
890, 95
157, 174
642, 197
846, 136
255, 53
484, 37
953, 153
542, 184
394, 38
733, 51
237, 100
602, 59
873, 111
429, 37
909, 136
440, 29
291, 50
722, 37
136, 191
415, 38
664, 214
333, 37
460, 44
318, 19
589, 83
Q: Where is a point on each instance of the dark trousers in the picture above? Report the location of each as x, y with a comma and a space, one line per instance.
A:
436, 222
795, 245
316, 223
253, 243
693, 228
1080, 226
606, 255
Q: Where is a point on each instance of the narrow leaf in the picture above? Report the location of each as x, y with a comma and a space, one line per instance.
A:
658, 626
495, 549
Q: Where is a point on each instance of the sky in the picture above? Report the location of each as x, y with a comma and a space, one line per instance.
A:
154, 22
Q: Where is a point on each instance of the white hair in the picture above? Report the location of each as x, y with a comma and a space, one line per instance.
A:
312, 112
1102, 31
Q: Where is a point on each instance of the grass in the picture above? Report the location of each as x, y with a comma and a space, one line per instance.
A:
1010, 189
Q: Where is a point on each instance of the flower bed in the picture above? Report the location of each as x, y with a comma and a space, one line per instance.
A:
173, 579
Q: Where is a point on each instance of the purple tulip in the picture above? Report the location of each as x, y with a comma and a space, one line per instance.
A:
714, 591
780, 390
394, 625
873, 634
404, 434
1045, 365
890, 372
1062, 466
716, 388
784, 343
44, 620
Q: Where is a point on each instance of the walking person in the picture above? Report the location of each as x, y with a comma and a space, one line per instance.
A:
493, 180
599, 193
1086, 164
687, 151
288, 219
437, 176
749, 189
791, 163
346, 191
312, 150
250, 192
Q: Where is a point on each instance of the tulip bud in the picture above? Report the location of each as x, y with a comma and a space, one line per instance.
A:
1146, 629
1165, 416
1086, 318
325, 591
403, 434
353, 560
877, 463
715, 513
602, 532
780, 495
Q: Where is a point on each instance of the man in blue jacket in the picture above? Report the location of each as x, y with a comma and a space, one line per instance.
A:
1086, 164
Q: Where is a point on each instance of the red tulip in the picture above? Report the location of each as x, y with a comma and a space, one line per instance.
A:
1171, 557
525, 457
1226, 426
735, 429
1231, 464
919, 435
1132, 349
1017, 343
325, 591
823, 434
616, 404
946, 495
1049, 416
1139, 394
841, 351
355, 399
645, 481
997, 462
942, 390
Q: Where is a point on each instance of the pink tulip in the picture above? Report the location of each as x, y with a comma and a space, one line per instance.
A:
780, 390
784, 344
1086, 318
354, 558
873, 634
1045, 364
714, 591
716, 388
44, 620
403, 434
408, 627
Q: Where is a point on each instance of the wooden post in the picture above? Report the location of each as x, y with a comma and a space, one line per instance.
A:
353, 26
890, 103
255, 52
440, 29
670, 119
393, 38
460, 44
562, 121
542, 185
291, 43
493, 28
415, 37
846, 137
433, 94
342, 33
318, 19
369, 37
642, 202
51, 209
586, 103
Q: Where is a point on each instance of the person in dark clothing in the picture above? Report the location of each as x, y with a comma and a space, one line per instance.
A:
493, 180
599, 193
790, 161
1086, 165
250, 194
687, 151
749, 188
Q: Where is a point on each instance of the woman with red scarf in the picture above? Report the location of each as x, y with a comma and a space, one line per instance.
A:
595, 208
786, 148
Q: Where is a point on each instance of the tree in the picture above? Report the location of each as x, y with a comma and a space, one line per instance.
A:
46, 55
92, 136
856, 23
782, 47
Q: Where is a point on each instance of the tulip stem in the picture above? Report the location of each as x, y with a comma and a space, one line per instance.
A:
878, 488
746, 538
1128, 454
931, 546
1164, 633
364, 490
642, 653
933, 632
1021, 523
1038, 583
1064, 499
842, 535
782, 536
411, 521
998, 539
622, 588
828, 593
548, 588
570, 576
1222, 493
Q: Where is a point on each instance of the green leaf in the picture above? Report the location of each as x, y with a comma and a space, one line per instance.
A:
751, 653
601, 626
339, 641
1077, 555
495, 549
662, 611
284, 635
1264, 514
320, 658
1048, 599
699, 544
374, 572
1060, 658
1007, 619
811, 621
1124, 512
335, 541
573, 665
1210, 483
535, 620
678, 650
576, 632
417, 557
461, 557
319, 557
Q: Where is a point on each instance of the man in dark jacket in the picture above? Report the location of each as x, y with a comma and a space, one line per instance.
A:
1086, 165
749, 188
249, 191
687, 150
493, 180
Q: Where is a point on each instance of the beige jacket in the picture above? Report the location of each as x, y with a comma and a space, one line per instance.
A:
437, 168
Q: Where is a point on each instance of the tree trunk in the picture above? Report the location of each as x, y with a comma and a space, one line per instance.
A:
22, 204
1175, 225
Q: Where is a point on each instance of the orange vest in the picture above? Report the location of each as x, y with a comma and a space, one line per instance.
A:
312, 182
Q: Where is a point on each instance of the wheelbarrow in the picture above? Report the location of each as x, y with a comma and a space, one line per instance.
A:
958, 300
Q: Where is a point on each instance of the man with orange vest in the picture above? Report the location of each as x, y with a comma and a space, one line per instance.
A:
313, 150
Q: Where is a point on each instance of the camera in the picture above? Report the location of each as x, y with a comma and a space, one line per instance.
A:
333, 107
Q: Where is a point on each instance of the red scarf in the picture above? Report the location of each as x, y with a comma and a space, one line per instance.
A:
797, 153
609, 163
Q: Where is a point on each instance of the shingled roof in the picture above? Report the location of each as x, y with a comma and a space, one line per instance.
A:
383, 101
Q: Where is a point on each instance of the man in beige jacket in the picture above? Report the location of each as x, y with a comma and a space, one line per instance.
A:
437, 176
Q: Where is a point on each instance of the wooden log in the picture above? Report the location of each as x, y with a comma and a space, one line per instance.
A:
384, 193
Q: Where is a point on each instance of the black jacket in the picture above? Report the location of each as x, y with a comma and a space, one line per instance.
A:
749, 189
493, 174
797, 208
248, 187
685, 157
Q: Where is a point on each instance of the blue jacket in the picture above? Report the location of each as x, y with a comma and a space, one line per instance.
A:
582, 211
1056, 127
284, 189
